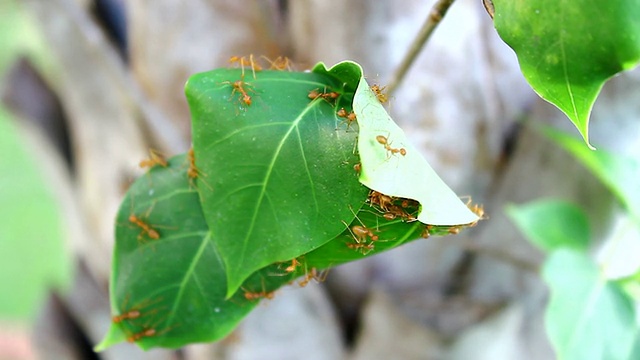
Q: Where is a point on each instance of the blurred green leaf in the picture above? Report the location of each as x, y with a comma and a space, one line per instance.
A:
33, 257
618, 172
277, 175
568, 49
587, 317
552, 224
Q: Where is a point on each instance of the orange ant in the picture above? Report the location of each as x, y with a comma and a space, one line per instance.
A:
363, 248
133, 313
242, 61
252, 295
155, 159
147, 332
382, 97
281, 63
146, 228
239, 86
357, 167
427, 231
349, 117
294, 264
380, 199
313, 275
387, 145
361, 232
193, 172
454, 230
328, 96
395, 211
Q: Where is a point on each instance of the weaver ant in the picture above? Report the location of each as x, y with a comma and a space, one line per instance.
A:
135, 312
281, 63
382, 97
387, 145
146, 228
193, 172
239, 86
313, 275
252, 295
328, 96
155, 159
242, 61
349, 117
363, 248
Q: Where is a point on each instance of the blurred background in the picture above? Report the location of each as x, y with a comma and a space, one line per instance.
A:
88, 86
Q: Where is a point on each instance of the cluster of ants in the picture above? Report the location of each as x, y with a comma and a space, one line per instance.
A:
391, 208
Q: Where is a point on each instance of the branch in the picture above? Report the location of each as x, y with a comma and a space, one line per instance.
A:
435, 16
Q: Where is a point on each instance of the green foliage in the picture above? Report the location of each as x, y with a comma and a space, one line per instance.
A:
33, 257
568, 49
269, 195
552, 224
587, 317
619, 173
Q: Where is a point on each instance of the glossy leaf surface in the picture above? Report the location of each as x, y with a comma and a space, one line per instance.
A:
568, 49
279, 172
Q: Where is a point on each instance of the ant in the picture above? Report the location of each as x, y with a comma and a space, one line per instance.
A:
252, 295
281, 63
294, 264
242, 61
454, 230
426, 232
395, 211
155, 159
134, 313
146, 228
364, 249
239, 86
147, 332
380, 199
349, 117
313, 275
387, 145
328, 96
357, 168
382, 97
361, 232
193, 172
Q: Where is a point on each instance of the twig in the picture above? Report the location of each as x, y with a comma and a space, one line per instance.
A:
435, 15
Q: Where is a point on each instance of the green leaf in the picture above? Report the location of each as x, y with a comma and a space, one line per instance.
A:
178, 281
387, 170
552, 224
587, 317
618, 172
568, 49
33, 258
277, 175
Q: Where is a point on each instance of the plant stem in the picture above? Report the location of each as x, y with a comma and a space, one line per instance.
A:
435, 16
